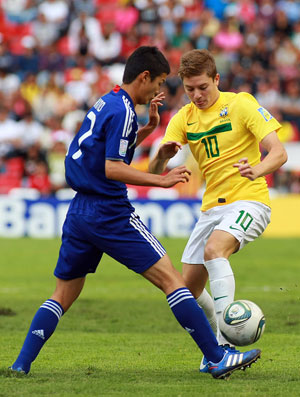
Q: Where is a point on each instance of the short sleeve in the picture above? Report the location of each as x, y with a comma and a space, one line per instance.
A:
118, 131
175, 130
256, 118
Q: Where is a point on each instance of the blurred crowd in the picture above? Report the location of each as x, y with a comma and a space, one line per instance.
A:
58, 56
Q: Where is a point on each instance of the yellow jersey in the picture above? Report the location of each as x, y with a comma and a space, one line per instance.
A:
219, 137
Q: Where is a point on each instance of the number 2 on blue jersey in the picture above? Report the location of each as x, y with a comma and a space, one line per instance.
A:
91, 115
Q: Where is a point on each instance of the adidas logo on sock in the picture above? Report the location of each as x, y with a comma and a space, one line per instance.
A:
39, 332
189, 330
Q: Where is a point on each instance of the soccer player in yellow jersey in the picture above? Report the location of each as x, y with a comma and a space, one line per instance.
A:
224, 131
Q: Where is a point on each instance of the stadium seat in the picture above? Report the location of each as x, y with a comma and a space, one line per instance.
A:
8, 182
15, 167
13, 174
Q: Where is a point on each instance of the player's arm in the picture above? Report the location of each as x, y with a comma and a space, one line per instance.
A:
174, 139
154, 118
275, 158
120, 171
164, 153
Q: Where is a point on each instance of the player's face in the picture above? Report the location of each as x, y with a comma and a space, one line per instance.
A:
152, 88
202, 90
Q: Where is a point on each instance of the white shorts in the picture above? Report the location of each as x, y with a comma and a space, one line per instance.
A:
245, 220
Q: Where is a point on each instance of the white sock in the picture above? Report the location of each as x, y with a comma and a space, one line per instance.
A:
222, 286
207, 304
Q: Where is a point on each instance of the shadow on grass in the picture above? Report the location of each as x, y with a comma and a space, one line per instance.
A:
115, 375
134, 376
8, 373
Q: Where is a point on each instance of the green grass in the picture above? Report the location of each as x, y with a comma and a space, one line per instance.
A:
120, 339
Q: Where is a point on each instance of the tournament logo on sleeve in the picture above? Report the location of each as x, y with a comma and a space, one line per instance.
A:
266, 115
123, 147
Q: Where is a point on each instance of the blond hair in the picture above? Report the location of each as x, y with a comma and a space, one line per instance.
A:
196, 62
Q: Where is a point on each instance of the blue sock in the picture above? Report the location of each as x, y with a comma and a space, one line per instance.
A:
192, 318
41, 328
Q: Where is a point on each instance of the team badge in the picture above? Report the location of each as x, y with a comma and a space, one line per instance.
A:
123, 147
224, 112
266, 115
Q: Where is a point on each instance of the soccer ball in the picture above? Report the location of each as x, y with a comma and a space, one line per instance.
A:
243, 323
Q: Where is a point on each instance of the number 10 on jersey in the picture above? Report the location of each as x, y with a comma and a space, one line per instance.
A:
211, 146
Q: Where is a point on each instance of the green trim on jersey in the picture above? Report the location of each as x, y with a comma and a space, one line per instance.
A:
195, 136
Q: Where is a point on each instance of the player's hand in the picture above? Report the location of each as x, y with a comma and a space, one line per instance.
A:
153, 110
168, 150
176, 175
245, 169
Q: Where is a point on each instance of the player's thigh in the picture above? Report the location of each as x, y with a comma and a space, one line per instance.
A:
245, 220
131, 243
194, 251
220, 244
78, 256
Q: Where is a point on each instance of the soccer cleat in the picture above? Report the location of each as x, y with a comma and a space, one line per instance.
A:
204, 362
230, 349
18, 369
232, 361
204, 365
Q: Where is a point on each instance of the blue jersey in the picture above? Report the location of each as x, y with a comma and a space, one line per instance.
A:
108, 131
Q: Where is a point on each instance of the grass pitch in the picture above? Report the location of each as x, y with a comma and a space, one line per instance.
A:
120, 339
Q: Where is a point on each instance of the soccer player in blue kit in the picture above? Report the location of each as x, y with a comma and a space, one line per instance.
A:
101, 219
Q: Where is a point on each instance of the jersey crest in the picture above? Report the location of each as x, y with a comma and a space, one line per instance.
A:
224, 112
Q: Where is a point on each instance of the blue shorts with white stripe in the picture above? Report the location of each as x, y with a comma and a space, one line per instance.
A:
96, 225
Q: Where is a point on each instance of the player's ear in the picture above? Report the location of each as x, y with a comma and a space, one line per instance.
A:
145, 76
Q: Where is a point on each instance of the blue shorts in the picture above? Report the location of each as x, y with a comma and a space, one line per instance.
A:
94, 226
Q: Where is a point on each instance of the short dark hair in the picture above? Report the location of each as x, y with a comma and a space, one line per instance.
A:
145, 58
196, 62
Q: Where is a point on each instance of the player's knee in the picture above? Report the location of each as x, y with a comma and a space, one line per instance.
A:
211, 251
